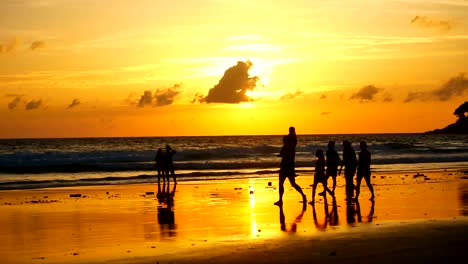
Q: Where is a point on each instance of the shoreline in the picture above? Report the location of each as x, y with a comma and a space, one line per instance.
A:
241, 175
137, 223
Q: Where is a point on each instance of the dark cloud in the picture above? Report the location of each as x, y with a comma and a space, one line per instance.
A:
232, 87
14, 103
162, 97
426, 22
455, 86
145, 99
323, 96
366, 93
74, 103
325, 113
167, 96
290, 96
33, 104
37, 45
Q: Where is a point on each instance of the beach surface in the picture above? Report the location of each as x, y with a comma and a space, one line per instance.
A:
415, 218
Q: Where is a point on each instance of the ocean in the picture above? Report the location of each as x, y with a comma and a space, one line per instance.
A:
41, 163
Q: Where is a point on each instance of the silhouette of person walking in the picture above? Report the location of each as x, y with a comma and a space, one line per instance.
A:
333, 162
349, 162
363, 170
169, 164
159, 159
319, 176
287, 169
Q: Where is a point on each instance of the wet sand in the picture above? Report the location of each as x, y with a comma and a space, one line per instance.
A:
422, 218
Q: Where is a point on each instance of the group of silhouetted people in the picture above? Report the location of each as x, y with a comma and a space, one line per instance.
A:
327, 165
350, 164
164, 164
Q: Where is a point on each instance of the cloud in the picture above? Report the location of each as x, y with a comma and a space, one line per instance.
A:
323, 96
162, 97
412, 96
145, 99
426, 22
455, 86
388, 98
33, 104
167, 96
9, 46
14, 103
290, 96
232, 87
325, 113
37, 45
74, 103
366, 93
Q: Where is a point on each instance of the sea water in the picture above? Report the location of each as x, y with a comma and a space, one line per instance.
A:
34, 163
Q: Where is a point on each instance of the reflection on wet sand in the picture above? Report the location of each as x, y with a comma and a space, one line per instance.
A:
353, 211
166, 217
291, 227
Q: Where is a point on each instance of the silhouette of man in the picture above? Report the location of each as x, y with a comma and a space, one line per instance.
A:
169, 164
159, 159
333, 162
349, 162
363, 170
287, 168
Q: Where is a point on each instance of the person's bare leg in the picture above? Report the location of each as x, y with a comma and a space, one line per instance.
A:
314, 187
334, 184
358, 186
369, 185
280, 190
298, 188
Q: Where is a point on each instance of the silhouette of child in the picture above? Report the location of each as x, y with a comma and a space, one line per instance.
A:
319, 176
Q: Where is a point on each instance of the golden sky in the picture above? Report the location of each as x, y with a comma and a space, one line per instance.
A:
86, 68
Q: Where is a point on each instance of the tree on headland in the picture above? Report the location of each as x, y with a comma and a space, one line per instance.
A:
461, 111
460, 126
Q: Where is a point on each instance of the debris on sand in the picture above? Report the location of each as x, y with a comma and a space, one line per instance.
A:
76, 195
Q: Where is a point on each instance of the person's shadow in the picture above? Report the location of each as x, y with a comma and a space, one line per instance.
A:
291, 228
321, 225
370, 216
166, 218
353, 210
333, 214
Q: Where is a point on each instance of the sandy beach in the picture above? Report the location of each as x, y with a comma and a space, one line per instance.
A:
414, 218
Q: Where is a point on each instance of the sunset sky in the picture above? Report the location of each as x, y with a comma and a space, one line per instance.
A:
87, 68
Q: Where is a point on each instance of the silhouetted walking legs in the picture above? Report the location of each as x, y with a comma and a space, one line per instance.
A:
334, 184
292, 180
325, 189
298, 188
368, 183
349, 186
280, 190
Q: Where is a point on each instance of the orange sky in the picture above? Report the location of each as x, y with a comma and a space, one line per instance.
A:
83, 68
